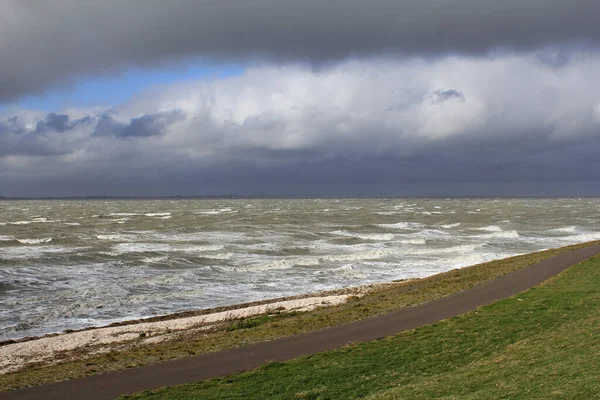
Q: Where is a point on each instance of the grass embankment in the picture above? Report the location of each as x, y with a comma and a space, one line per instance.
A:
541, 344
239, 333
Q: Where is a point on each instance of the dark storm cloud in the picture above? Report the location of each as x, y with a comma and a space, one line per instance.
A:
443, 95
57, 135
55, 122
450, 169
48, 44
43, 140
144, 126
151, 124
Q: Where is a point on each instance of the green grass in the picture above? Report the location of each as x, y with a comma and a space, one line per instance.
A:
541, 344
242, 332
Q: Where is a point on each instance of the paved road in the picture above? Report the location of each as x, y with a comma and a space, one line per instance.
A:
112, 385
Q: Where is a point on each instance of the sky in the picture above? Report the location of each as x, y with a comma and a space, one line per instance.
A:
300, 97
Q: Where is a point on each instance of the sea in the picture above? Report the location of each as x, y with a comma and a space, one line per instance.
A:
70, 264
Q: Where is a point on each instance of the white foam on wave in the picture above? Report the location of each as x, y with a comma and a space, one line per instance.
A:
450, 226
35, 241
35, 220
431, 233
200, 248
373, 254
382, 253
583, 237
364, 236
160, 214
464, 248
403, 225
123, 248
28, 252
216, 211
491, 228
5, 238
500, 235
152, 260
349, 271
72, 223
120, 237
123, 214
566, 229
412, 241
277, 264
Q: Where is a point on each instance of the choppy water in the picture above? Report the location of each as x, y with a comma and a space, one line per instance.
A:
70, 264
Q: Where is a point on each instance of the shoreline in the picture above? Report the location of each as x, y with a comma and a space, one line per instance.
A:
351, 290
494, 281
42, 360
53, 348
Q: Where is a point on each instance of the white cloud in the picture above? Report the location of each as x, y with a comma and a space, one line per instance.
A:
295, 114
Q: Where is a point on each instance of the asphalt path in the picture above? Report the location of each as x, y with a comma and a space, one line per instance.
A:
194, 369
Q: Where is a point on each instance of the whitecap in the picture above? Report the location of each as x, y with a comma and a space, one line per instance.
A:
581, 238
123, 214
364, 236
281, 263
27, 252
500, 235
413, 241
4, 238
491, 228
450, 226
123, 248
348, 270
35, 241
566, 229
218, 211
116, 237
364, 255
199, 248
402, 225
152, 260
431, 233
162, 214
465, 248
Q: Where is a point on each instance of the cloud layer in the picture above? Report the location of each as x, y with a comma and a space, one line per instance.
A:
47, 45
456, 125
